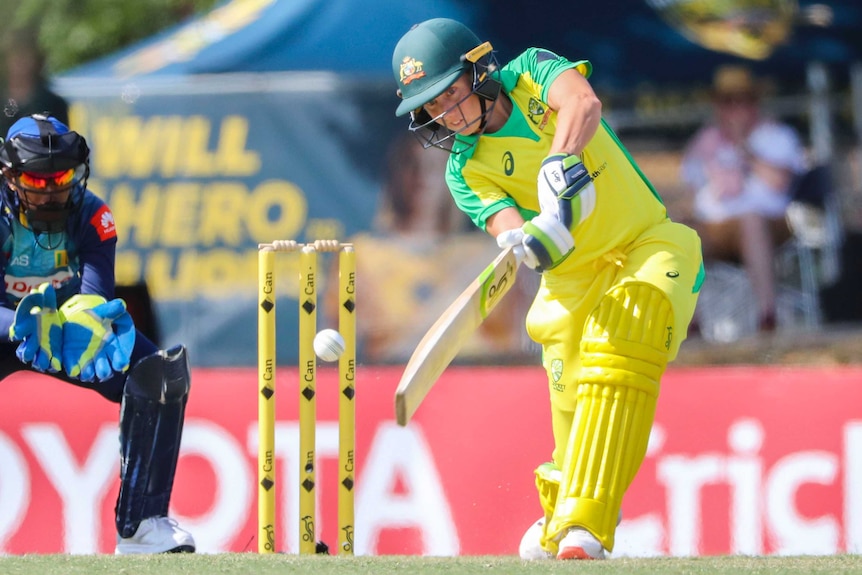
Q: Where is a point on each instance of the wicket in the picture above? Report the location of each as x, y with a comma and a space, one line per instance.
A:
307, 393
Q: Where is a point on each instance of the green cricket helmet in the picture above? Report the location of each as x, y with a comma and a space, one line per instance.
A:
427, 60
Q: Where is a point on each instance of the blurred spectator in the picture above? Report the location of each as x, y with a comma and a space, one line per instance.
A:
740, 168
415, 197
421, 255
26, 90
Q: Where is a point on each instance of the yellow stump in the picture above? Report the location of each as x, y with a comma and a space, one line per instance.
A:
307, 361
266, 402
307, 401
346, 403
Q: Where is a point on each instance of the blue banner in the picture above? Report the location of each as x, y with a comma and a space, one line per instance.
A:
199, 171
197, 181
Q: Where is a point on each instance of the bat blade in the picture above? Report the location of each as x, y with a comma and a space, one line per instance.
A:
444, 339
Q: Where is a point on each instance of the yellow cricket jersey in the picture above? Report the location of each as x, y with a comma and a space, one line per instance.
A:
500, 169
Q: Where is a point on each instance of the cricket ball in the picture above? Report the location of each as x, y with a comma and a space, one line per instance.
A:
328, 345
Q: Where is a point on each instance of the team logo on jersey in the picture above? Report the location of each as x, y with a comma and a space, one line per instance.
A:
411, 69
103, 221
61, 258
556, 370
538, 113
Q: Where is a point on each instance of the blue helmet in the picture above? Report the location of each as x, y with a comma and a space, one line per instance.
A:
41, 158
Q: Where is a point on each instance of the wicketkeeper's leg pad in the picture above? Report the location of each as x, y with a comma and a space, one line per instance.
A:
151, 427
624, 352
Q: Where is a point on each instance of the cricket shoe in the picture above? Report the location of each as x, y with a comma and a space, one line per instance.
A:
578, 543
156, 535
530, 548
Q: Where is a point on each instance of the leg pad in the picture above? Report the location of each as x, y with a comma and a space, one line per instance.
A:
151, 426
624, 352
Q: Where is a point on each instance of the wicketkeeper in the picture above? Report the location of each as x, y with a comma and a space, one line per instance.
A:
60, 317
533, 164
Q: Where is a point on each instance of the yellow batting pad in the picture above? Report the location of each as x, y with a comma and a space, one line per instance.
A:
624, 352
548, 485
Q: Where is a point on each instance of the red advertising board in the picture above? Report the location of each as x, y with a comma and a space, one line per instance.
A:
753, 460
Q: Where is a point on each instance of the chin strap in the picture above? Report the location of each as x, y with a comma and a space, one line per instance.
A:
484, 121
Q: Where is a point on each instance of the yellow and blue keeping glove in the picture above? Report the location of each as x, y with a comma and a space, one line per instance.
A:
38, 327
98, 337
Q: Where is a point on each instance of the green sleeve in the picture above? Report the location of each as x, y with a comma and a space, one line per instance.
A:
543, 66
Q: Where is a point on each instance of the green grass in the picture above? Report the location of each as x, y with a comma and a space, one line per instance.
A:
253, 564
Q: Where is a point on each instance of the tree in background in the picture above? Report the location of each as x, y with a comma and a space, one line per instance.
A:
72, 32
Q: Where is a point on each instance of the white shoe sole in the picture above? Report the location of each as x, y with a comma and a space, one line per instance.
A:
125, 549
580, 544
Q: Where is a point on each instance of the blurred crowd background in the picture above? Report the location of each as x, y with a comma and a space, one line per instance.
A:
218, 125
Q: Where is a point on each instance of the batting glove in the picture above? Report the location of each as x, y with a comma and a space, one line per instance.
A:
98, 337
515, 239
38, 326
566, 189
542, 243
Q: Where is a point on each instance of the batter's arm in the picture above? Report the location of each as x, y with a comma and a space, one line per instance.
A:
579, 112
506, 219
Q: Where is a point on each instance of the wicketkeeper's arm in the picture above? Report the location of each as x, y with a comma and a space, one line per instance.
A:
7, 317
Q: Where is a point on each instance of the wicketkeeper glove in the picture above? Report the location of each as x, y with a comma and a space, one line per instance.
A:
98, 337
38, 326
566, 189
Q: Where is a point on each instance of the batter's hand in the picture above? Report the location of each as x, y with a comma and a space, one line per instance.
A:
566, 189
544, 242
515, 239
549, 239
38, 326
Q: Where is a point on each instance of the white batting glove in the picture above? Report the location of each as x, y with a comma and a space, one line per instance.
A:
515, 239
548, 239
541, 244
566, 189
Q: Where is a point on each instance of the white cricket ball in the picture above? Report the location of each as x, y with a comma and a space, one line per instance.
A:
328, 345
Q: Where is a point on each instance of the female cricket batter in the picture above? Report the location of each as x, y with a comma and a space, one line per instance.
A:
533, 164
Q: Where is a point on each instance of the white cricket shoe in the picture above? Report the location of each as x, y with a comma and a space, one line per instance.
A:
530, 548
156, 535
578, 543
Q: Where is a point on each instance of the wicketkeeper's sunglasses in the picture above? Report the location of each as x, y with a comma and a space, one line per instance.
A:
36, 181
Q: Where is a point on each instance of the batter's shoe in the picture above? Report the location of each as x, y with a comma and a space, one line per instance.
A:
156, 535
530, 548
579, 543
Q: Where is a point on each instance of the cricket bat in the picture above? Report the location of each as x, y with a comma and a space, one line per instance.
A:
444, 339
